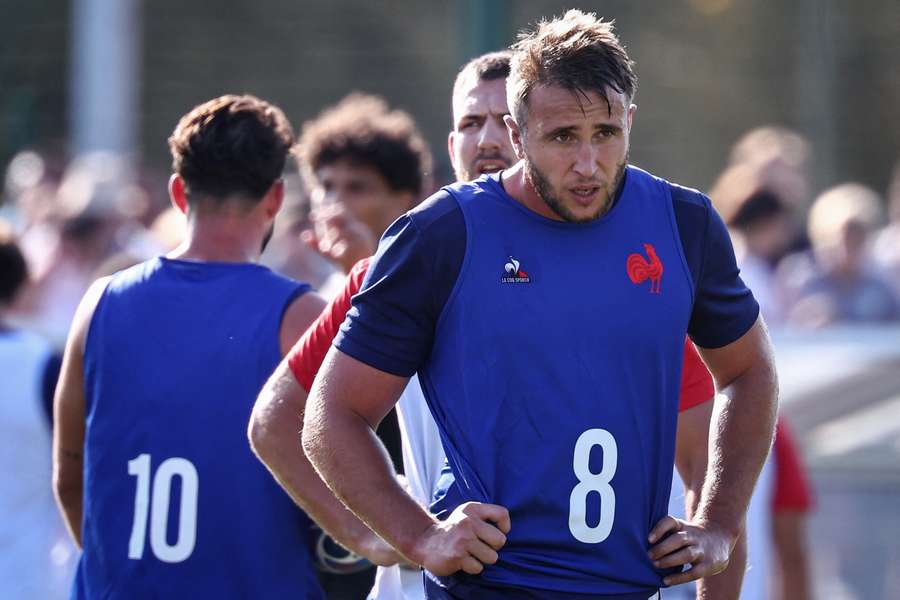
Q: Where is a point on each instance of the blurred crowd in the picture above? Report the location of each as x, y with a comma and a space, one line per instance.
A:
812, 260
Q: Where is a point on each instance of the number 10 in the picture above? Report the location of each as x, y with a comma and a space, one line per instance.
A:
159, 511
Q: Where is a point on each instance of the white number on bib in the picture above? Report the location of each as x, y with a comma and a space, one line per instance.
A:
158, 509
593, 482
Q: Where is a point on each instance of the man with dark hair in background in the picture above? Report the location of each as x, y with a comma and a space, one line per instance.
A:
549, 346
366, 165
160, 371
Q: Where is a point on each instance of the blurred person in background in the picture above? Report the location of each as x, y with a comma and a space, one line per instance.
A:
291, 252
886, 249
91, 216
779, 158
36, 558
837, 280
161, 388
775, 159
366, 165
762, 228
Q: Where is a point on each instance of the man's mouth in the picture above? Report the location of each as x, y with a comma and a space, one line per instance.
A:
489, 166
585, 194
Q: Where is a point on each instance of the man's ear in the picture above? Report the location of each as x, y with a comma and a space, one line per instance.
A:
451, 141
274, 199
515, 136
177, 194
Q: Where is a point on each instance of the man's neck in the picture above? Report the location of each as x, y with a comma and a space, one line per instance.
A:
214, 238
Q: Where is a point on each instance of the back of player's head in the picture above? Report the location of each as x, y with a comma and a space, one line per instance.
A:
578, 51
363, 130
231, 147
13, 270
487, 67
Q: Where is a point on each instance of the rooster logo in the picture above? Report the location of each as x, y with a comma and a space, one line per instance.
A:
640, 269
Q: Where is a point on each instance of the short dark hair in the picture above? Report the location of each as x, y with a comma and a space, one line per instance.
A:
487, 67
577, 51
231, 146
362, 129
13, 269
758, 207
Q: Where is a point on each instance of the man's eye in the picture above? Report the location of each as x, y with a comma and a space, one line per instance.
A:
470, 125
563, 137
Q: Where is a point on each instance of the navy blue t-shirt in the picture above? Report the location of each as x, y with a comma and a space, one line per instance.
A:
550, 355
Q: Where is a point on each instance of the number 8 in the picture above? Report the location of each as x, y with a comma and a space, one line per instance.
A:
593, 482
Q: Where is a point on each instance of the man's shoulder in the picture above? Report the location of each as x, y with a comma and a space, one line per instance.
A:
440, 214
681, 194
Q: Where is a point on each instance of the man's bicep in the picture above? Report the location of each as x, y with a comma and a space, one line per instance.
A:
348, 384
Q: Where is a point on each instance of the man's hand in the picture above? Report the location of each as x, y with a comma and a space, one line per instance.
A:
466, 541
702, 545
340, 237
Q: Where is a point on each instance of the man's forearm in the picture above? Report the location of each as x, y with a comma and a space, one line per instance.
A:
355, 465
727, 584
68, 489
274, 433
741, 433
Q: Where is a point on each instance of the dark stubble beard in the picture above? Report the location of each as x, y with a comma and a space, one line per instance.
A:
542, 186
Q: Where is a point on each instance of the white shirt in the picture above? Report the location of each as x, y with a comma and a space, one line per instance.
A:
423, 459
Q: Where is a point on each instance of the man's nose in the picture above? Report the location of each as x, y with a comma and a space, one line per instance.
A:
492, 135
586, 160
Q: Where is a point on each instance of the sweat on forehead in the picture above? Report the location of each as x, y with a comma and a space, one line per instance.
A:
578, 52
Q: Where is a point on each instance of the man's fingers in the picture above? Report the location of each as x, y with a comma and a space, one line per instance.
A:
491, 512
482, 553
472, 566
490, 535
687, 555
308, 237
671, 544
665, 526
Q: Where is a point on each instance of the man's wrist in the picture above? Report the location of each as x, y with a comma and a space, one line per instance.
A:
411, 547
728, 528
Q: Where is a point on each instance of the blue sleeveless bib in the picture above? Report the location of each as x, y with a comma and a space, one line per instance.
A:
175, 503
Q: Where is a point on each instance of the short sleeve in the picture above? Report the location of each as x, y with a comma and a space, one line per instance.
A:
305, 358
696, 383
391, 323
724, 308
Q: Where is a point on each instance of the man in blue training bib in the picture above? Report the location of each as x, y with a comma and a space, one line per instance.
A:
163, 363
545, 309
